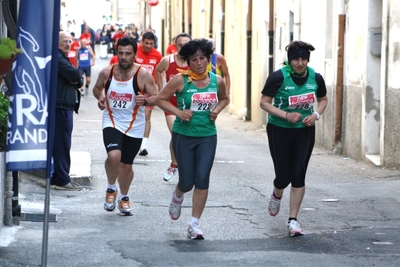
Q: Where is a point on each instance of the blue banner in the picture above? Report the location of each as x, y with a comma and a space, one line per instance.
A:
34, 84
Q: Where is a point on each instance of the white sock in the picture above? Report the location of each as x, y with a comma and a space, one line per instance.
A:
194, 220
179, 199
144, 143
122, 196
112, 186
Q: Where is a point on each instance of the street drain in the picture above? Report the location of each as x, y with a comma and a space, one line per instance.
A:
37, 217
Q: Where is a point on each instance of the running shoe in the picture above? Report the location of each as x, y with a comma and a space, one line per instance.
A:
294, 228
274, 205
125, 207
111, 200
82, 91
143, 152
169, 174
194, 232
175, 208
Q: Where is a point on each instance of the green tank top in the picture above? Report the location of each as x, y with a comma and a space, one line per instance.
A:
201, 101
291, 97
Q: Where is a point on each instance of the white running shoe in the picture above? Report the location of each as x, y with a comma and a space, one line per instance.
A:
194, 232
169, 174
294, 228
111, 200
125, 207
274, 205
175, 208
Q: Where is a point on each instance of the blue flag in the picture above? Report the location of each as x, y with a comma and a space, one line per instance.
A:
34, 84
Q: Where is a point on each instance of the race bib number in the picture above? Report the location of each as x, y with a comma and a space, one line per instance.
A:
304, 101
84, 57
204, 101
72, 53
148, 67
120, 100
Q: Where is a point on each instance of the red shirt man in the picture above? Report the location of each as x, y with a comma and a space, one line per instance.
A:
147, 55
118, 36
72, 53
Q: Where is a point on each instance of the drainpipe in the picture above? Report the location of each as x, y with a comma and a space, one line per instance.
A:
339, 84
271, 37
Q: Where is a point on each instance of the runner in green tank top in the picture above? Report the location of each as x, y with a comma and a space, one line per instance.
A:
201, 96
289, 96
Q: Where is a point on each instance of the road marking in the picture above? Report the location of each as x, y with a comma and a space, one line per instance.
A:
382, 243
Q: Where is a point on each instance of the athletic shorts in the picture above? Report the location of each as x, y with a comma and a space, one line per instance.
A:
174, 103
115, 140
85, 70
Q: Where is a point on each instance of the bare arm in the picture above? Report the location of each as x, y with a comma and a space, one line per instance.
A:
266, 104
225, 72
173, 86
160, 72
98, 89
149, 87
93, 56
322, 103
223, 99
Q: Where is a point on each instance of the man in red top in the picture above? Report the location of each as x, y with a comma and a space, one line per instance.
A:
171, 49
168, 69
149, 58
86, 35
116, 37
72, 53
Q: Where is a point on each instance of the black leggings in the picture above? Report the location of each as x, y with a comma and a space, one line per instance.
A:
195, 157
291, 150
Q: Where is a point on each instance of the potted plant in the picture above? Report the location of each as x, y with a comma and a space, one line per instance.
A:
4, 103
8, 52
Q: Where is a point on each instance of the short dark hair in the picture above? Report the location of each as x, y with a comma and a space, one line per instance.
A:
148, 35
298, 49
191, 48
126, 41
183, 34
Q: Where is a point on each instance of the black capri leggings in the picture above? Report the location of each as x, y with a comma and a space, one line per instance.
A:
291, 150
195, 157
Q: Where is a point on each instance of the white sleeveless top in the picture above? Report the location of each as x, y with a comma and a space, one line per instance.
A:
121, 111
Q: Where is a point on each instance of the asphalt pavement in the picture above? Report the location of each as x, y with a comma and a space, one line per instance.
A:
350, 214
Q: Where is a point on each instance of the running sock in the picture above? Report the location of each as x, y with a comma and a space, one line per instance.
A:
178, 199
276, 196
144, 143
174, 166
291, 218
194, 220
122, 196
112, 186
87, 86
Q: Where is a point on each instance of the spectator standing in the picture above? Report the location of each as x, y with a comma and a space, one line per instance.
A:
148, 57
67, 101
104, 44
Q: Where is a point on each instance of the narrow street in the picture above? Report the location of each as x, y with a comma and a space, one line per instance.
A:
350, 214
